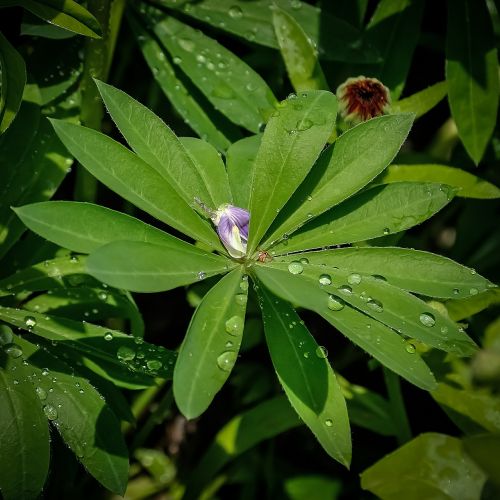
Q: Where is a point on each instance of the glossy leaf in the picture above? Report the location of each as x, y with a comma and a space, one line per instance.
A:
84, 227
183, 101
472, 74
129, 176
232, 86
68, 15
430, 466
392, 306
146, 267
383, 343
157, 145
96, 440
300, 57
210, 348
24, 434
423, 101
355, 158
292, 141
379, 211
33, 163
240, 158
468, 185
420, 272
306, 376
13, 80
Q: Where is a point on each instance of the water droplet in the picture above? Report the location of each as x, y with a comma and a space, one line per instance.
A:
375, 305
234, 326
244, 285
235, 12
227, 360
304, 261
335, 303
321, 352
306, 355
40, 392
125, 353
201, 275
345, 289
354, 279
229, 344
201, 58
378, 277
410, 348
186, 44
102, 296
472, 271
386, 231
325, 279
364, 296
138, 340
30, 322
50, 412
6, 336
45, 371
154, 364
444, 329
427, 319
473, 291
304, 124
13, 350
241, 299
328, 422
295, 267
108, 336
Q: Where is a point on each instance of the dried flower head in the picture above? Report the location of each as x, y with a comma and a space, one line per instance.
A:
363, 98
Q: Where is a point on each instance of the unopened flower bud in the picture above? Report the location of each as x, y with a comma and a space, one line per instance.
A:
232, 228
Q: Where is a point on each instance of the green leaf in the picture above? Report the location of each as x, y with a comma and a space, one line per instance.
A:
421, 102
392, 306
154, 142
232, 86
468, 185
420, 272
472, 74
430, 466
383, 343
184, 102
84, 227
96, 440
240, 158
253, 21
484, 450
33, 163
292, 141
464, 308
12, 80
312, 487
355, 158
24, 434
133, 179
306, 376
67, 14
394, 30
209, 163
298, 53
145, 267
242, 432
378, 211
210, 348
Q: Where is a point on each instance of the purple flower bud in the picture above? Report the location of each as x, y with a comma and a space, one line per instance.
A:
232, 228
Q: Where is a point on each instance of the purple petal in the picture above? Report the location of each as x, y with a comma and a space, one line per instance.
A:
232, 228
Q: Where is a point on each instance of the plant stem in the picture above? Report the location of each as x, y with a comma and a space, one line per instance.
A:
397, 406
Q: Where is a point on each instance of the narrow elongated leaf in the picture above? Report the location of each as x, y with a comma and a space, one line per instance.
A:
240, 158
472, 74
210, 348
209, 164
379, 211
464, 308
24, 433
292, 141
430, 466
422, 102
186, 104
392, 306
264, 421
96, 440
129, 176
413, 270
306, 376
156, 144
355, 158
145, 267
253, 21
232, 86
299, 55
68, 15
383, 343
468, 185
33, 163
13, 80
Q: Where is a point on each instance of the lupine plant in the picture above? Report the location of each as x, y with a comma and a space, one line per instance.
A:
313, 236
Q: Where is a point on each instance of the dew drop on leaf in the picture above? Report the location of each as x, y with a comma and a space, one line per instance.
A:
30, 322
321, 352
473, 291
125, 353
241, 299
354, 279
50, 412
375, 305
234, 326
410, 348
154, 364
201, 275
235, 12
335, 303
328, 422
13, 350
295, 267
345, 289
108, 336
40, 392
227, 360
427, 319
325, 279
304, 261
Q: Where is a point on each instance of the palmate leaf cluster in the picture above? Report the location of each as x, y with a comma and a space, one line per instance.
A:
303, 201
